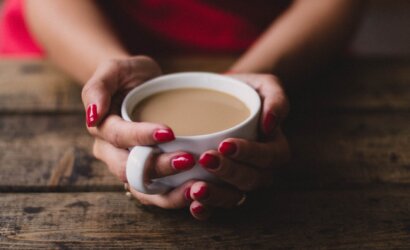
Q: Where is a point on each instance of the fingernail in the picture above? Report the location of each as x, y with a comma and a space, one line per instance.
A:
209, 161
199, 209
269, 124
163, 135
227, 148
188, 194
202, 193
183, 162
91, 116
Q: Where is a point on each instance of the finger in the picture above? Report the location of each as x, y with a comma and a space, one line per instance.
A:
239, 175
171, 200
115, 158
124, 134
97, 92
212, 195
269, 154
171, 163
200, 211
275, 106
110, 77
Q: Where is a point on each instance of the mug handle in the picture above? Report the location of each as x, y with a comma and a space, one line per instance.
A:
135, 171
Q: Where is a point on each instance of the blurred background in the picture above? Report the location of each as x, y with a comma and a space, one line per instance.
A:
385, 29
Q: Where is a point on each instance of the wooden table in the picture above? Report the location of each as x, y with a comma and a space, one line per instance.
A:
348, 185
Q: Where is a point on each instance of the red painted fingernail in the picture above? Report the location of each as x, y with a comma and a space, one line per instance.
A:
163, 135
209, 161
183, 162
198, 209
188, 194
91, 116
227, 148
202, 193
269, 124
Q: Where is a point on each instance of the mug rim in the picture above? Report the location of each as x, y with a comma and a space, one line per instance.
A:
159, 79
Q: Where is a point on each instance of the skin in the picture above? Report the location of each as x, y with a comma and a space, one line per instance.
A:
300, 41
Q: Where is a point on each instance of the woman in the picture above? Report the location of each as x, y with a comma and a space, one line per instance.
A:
101, 44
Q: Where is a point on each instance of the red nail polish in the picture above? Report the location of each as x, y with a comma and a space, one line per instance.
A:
209, 161
188, 194
198, 209
164, 135
183, 162
202, 193
227, 148
91, 116
269, 124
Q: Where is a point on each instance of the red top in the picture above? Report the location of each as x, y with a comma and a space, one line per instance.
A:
178, 25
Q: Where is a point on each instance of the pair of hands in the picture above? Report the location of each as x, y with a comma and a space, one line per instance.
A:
242, 165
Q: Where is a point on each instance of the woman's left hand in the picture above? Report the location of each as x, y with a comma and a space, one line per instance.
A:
245, 165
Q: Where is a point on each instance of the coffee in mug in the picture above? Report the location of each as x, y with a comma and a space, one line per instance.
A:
233, 109
192, 111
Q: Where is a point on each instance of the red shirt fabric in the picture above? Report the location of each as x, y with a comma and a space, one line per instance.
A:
180, 25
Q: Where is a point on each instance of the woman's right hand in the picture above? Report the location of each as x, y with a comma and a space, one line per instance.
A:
102, 97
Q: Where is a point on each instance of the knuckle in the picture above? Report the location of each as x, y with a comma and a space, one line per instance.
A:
111, 64
144, 58
140, 138
149, 65
115, 139
248, 184
226, 171
270, 78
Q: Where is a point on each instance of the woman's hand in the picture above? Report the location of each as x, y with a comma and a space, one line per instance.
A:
245, 165
102, 96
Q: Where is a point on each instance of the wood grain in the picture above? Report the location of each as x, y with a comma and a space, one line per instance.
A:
354, 84
36, 86
49, 152
375, 218
337, 149
361, 85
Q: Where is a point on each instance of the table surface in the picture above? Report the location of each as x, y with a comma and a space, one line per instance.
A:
347, 186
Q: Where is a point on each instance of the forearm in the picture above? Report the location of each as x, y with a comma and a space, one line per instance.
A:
74, 34
303, 38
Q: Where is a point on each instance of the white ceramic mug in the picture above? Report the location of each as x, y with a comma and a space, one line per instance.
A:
139, 155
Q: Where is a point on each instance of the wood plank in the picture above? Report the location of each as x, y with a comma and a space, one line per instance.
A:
337, 149
36, 86
380, 85
328, 150
42, 152
376, 218
364, 84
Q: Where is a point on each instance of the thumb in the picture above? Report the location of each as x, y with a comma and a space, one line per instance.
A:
97, 92
97, 100
110, 77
